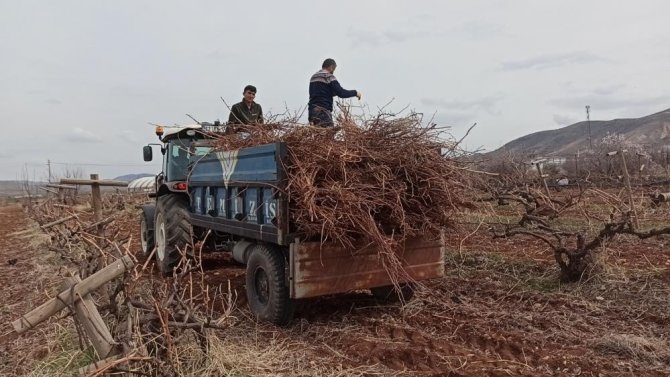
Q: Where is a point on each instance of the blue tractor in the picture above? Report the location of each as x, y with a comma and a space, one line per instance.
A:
234, 199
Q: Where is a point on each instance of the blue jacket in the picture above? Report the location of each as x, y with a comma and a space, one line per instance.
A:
323, 86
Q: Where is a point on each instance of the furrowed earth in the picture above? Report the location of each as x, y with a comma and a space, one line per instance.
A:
501, 310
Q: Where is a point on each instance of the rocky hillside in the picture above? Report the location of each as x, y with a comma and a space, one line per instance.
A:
651, 129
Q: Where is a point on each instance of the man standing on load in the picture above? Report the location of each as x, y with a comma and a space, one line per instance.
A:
247, 111
323, 86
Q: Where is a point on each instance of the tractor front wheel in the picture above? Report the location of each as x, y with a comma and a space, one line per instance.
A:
174, 234
147, 231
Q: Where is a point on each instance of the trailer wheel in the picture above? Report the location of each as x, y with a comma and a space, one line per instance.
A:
174, 234
267, 292
389, 294
147, 232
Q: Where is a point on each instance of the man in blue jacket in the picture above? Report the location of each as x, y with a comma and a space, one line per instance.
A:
323, 86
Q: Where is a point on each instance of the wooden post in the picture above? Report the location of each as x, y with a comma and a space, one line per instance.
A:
544, 181
96, 203
94, 326
68, 296
609, 167
629, 190
62, 189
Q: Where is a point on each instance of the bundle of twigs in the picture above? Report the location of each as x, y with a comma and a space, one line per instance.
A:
377, 181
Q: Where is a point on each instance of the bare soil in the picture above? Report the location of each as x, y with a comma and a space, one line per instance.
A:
500, 311
25, 277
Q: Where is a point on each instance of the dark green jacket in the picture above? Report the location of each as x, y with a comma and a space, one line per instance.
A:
240, 113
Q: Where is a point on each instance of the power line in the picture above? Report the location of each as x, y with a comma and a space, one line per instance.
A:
12, 164
96, 164
37, 164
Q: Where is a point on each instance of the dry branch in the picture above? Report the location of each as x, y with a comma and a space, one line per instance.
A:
377, 181
46, 226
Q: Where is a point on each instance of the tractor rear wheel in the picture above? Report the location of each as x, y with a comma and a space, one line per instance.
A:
267, 292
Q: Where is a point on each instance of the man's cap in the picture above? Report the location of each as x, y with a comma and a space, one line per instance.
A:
328, 63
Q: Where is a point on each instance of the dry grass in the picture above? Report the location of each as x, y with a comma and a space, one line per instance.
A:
646, 349
258, 350
60, 354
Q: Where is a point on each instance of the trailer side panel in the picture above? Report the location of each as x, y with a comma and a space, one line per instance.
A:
317, 269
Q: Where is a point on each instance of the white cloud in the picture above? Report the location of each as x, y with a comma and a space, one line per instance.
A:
80, 135
455, 119
603, 102
487, 103
129, 136
220, 54
552, 60
362, 38
479, 30
564, 120
607, 90
365, 38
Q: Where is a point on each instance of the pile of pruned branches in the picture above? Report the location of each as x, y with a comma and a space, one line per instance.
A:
162, 326
159, 326
374, 181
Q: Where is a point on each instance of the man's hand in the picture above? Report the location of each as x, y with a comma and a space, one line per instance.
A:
359, 95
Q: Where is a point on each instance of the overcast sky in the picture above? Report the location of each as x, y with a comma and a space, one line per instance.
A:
79, 80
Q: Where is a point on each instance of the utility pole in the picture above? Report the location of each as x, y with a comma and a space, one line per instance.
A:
588, 124
49, 166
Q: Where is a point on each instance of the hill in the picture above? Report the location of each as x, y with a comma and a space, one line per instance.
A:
651, 129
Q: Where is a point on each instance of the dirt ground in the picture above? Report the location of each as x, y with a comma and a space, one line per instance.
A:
500, 311
25, 276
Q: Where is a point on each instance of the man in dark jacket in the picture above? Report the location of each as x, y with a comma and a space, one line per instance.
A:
247, 111
323, 86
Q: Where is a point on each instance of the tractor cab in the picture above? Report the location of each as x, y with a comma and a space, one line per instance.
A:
177, 148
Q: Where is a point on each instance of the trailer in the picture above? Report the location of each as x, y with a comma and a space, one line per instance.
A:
235, 200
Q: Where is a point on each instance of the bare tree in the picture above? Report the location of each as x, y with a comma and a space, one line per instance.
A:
574, 250
28, 187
